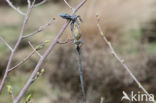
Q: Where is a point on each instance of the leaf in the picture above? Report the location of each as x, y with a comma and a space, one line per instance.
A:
42, 70
9, 88
28, 98
47, 41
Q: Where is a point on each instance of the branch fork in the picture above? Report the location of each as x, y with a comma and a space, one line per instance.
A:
13, 50
21, 36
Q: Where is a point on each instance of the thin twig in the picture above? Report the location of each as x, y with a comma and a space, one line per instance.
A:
65, 42
33, 3
41, 28
23, 61
47, 52
34, 49
27, 57
12, 94
42, 2
29, 3
68, 4
16, 9
6, 43
122, 62
15, 48
102, 100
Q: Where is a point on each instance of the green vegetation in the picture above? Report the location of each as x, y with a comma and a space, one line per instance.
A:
38, 89
151, 48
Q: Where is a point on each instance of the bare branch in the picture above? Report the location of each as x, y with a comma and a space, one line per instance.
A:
122, 62
65, 42
47, 52
34, 49
42, 2
27, 57
6, 43
15, 48
33, 3
29, 3
41, 28
23, 61
16, 9
68, 4
102, 100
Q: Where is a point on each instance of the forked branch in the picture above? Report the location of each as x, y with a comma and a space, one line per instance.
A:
15, 8
6, 43
34, 49
41, 28
27, 57
15, 48
21, 36
46, 53
42, 2
23, 61
68, 4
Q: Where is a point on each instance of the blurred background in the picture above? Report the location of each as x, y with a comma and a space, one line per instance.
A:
129, 24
